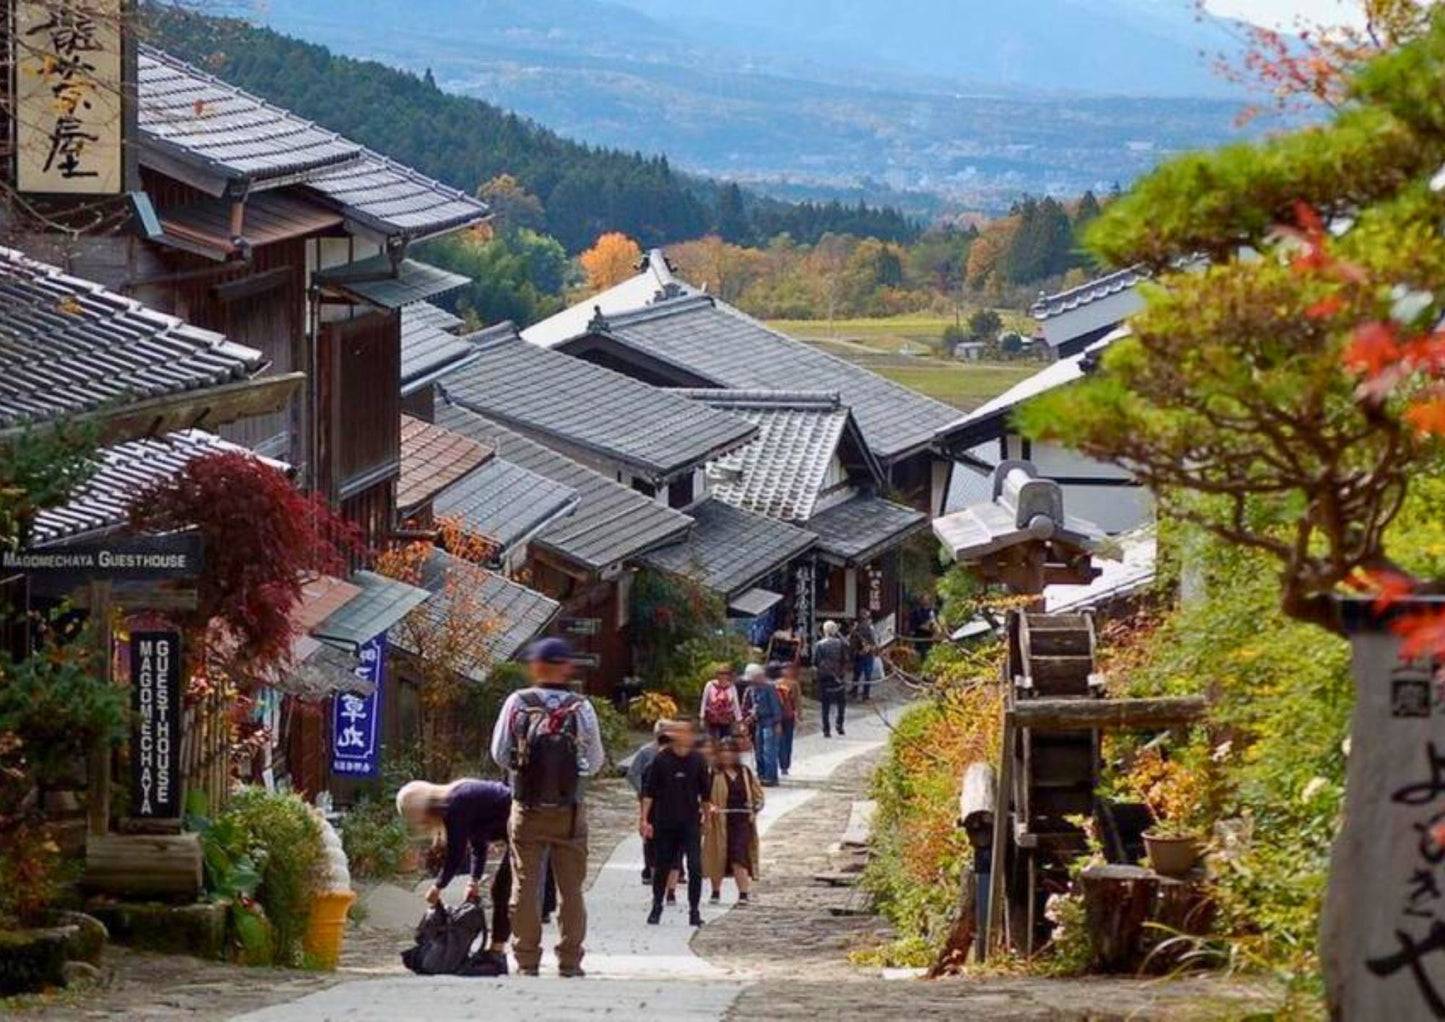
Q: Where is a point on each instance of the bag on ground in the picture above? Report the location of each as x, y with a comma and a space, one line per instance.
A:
445, 939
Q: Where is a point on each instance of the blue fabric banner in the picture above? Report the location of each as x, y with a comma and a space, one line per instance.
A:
356, 719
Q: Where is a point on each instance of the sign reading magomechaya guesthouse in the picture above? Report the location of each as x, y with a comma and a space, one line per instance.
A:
124, 559
155, 675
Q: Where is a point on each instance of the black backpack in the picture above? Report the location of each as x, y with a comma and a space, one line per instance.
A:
544, 750
445, 938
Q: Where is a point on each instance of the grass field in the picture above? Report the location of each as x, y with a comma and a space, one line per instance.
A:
961, 384
877, 344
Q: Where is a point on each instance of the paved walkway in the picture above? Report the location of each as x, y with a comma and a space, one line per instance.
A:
633, 969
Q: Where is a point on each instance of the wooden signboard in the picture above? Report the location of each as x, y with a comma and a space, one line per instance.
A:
1384, 926
155, 749
69, 113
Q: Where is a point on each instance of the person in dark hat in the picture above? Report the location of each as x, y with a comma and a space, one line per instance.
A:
548, 738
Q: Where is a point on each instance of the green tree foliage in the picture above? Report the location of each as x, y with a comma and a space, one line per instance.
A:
1278, 382
515, 275
1042, 246
587, 191
732, 223
984, 326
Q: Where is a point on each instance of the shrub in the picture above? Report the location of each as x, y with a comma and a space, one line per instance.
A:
650, 707
285, 840
375, 839
616, 734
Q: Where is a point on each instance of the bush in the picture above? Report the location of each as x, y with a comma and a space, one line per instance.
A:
375, 839
616, 733
650, 707
285, 841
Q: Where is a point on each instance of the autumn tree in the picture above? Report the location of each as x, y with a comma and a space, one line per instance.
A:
450, 639
726, 270
513, 207
1285, 393
612, 260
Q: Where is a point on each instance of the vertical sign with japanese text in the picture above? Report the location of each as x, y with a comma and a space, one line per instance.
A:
69, 122
356, 719
155, 753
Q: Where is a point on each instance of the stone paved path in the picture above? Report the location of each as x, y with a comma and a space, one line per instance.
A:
633, 969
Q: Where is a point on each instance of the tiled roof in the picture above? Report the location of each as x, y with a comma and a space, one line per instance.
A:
433, 459
382, 603
192, 116
731, 550
858, 530
379, 283
612, 524
505, 503
723, 347
69, 346
380, 194
429, 347
590, 409
197, 120
654, 278
780, 474
1050, 306
123, 471
513, 614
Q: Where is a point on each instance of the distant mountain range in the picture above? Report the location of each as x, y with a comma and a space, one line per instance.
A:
901, 101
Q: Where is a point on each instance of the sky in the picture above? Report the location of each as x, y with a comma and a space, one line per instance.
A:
1283, 13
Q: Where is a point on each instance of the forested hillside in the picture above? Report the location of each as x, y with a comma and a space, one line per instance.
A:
584, 191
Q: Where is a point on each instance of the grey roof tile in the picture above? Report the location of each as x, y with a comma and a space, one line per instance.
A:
730, 550
1050, 306
727, 348
429, 345
123, 471
195, 118
612, 524
589, 408
859, 529
383, 602
69, 346
378, 282
505, 503
514, 614
380, 194
782, 473
189, 114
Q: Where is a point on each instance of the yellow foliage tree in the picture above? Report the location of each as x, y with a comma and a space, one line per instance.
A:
612, 260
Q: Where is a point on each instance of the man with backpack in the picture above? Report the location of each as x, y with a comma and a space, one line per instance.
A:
763, 709
830, 658
548, 737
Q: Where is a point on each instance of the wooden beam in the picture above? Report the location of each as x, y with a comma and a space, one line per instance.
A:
97, 782
979, 798
1108, 714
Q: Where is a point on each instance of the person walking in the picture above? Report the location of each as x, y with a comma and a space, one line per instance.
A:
721, 710
548, 737
790, 694
674, 800
467, 816
830, 658
764, 714
863, 647
730, 835
637, 777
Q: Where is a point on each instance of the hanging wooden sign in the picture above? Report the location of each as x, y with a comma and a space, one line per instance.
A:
69, 121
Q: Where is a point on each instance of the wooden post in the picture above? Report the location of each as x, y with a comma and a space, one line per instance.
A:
998, 860
1107, 714
1383, 927
97, 783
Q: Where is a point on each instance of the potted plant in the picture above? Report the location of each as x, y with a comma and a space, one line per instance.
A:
1173, 794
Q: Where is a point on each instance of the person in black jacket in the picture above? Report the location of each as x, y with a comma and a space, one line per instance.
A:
675, 796
467, 816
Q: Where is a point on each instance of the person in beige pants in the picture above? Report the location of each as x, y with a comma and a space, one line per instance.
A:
548, 822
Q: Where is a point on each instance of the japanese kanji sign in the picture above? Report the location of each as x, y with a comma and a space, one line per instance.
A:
1384, 925
69, 128
155, 748
356, 718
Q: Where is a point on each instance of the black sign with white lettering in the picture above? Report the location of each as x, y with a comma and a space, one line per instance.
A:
155, 741
58, 570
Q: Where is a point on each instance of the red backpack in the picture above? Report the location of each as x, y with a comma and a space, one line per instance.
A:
719, 709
